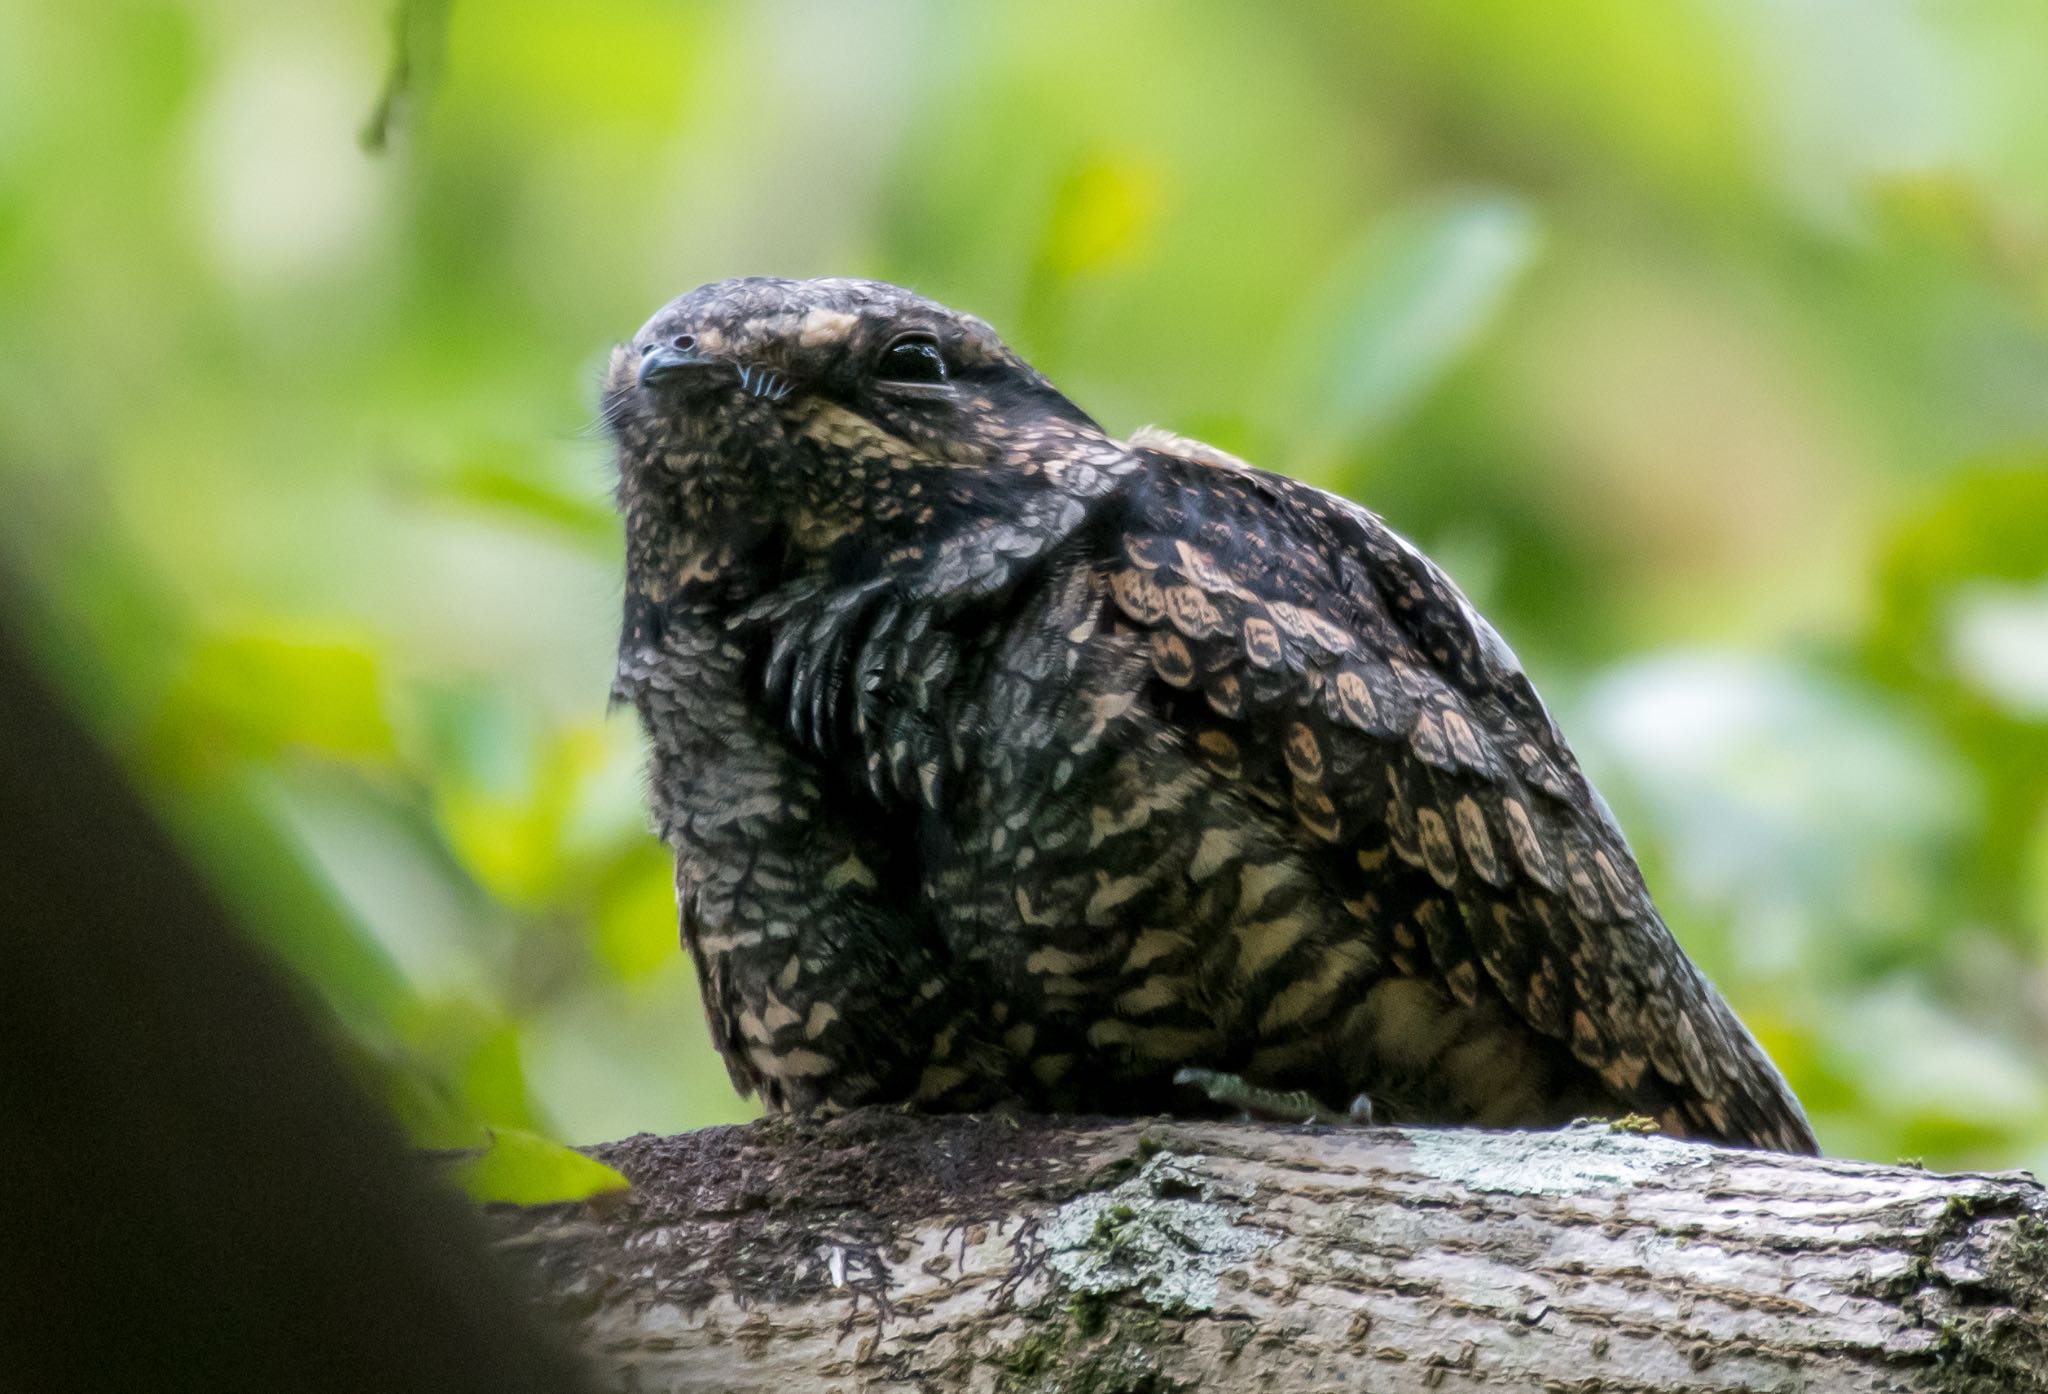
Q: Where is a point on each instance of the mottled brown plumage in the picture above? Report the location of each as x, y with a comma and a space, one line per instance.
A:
1007, 762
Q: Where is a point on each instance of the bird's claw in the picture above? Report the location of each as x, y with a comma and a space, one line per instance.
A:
1271, 1105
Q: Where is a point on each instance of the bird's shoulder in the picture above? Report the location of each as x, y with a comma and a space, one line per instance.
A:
1321, 586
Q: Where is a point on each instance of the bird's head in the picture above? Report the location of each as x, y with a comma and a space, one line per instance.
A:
774, 429
812, 395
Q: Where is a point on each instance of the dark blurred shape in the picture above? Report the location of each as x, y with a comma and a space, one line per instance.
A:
196, 1193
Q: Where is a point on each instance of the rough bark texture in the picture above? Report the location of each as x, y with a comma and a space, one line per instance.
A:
889, 1252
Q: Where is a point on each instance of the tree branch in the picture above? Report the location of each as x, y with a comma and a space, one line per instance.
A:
882, 1251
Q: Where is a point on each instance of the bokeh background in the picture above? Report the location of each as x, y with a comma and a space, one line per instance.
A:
1705, 342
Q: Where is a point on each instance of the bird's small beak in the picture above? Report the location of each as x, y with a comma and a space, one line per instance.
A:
660, 361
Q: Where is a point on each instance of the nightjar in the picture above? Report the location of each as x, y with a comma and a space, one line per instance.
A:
1009, 763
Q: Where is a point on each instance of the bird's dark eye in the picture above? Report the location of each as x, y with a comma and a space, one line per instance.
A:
912, 357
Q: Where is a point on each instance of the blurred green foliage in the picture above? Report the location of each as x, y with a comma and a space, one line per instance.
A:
1705, 341
516, 1168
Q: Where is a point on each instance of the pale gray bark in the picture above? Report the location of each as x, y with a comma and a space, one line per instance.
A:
885, 1252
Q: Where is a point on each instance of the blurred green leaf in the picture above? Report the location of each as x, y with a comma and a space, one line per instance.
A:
419, 46
636, 933
513, 842
2034, 883
1950, 213
519, 1168
1799, 807
1979, 539
501, 486
1398, 312
1998, 645
477, 1051
455, 1068
262, 691
1986, 525
1103, 215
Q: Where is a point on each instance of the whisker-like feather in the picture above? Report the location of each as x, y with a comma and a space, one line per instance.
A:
611, 410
